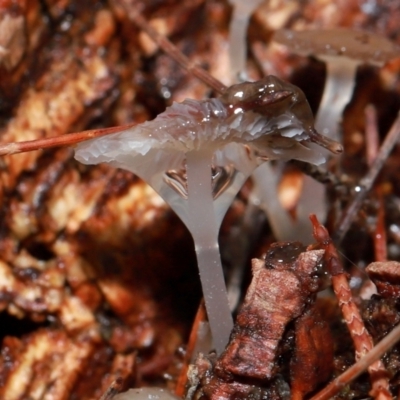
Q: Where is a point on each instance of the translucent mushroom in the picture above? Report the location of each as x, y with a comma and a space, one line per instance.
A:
343, 51
242, 11
265, 177
198, 154
283, 226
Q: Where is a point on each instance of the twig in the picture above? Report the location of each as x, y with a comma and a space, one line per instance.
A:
380, 238
62, 140
366, 183
362, 340
372, 144
201, 316
318, 173
371, 134
169, 48
113, 389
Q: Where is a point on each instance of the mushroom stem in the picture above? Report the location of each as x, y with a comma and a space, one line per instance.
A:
204, 229
284, 227
242, 11
237, 44
339, 87
265, 194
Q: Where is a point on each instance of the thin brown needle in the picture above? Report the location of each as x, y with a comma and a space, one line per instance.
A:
366, 183
173, 51
63, 140
201, 316
371, 133
114, 389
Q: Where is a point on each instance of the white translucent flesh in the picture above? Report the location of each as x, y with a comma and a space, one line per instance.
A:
242, 11
283, 226
200, 212
339, 87
265, 178
201, 134
204, 229
237, 44
338, 91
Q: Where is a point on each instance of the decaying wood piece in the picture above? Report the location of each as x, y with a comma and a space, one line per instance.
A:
386, 276
12, 36
281, 292
54, 284
135, 16
363, 342
313, 352
50, 363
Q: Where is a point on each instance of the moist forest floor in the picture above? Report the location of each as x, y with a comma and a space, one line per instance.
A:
98, 277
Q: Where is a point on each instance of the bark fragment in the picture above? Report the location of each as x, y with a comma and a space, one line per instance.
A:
282, 291
386, 276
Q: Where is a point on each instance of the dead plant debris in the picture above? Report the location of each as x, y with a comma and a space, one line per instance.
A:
98, 277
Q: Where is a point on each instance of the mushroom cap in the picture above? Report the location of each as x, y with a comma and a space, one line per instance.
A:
362, 46
271, 117
249, 124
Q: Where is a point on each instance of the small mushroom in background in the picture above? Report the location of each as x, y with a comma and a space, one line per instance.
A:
266, 177
198, 154
242, 11
343, 51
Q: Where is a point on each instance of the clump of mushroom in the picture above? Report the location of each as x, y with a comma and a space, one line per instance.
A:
343, 51
198, 154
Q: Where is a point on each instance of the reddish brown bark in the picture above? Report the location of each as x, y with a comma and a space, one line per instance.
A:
282, 291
